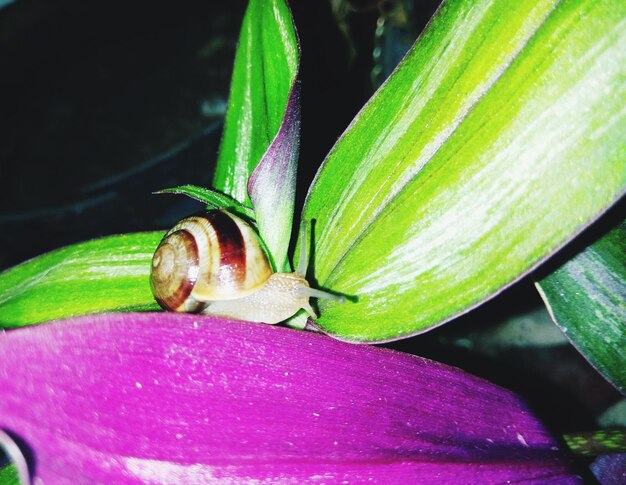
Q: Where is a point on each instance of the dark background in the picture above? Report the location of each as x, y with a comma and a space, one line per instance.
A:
102, 103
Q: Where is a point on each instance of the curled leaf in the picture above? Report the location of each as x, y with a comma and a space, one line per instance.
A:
144, 398
258, 157
272, 185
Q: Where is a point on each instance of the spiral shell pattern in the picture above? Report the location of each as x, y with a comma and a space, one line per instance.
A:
210, 256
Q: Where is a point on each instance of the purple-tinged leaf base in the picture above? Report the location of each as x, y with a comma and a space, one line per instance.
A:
272, 185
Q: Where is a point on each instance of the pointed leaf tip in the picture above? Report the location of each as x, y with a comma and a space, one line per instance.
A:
264, 73
211, 198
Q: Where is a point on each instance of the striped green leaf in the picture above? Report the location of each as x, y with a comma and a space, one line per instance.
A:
258, 155
500, 136
586, 298
107, 274
111, 274
264, 72
211, 198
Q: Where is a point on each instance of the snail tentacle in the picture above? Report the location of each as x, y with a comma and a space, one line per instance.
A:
213, 262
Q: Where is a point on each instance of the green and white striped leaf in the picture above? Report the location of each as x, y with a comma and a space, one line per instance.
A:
107, 274
265, 69
500, 136
586, 298
112, 274
262, 124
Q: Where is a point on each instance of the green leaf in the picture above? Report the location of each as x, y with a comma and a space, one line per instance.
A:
112, 274
212, 198
500, 136
593, 443
258, 156
9, 476
264, 73
13, 465
107, 274
586, 298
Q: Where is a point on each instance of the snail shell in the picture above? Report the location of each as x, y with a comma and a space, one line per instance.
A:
213, 263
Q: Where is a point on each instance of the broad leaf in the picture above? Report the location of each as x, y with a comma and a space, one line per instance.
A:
174, 398
107, 274
262, 123
499, 137
586, 298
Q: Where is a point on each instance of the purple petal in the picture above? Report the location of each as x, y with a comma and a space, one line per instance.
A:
272, 184
135, 398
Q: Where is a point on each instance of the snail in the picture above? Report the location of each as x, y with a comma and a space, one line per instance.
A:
214, 263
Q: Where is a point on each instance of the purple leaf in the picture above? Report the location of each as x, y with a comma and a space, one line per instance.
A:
272, 184
136, 398
610, 469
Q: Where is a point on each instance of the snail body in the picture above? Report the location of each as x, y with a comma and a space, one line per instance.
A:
214, 263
